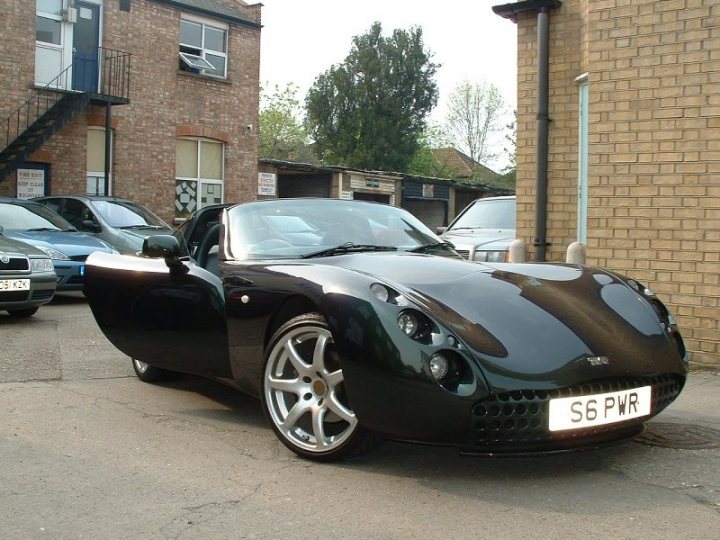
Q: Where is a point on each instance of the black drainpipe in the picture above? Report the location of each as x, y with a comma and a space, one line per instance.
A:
511, 11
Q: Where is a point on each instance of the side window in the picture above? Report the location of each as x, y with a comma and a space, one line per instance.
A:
76, 212
203, 46
53, 204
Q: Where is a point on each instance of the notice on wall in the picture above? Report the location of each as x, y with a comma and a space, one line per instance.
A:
267, 184
30, 183
347, 195
428, 190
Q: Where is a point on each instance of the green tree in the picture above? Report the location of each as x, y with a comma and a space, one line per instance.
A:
369, 111
424, 161
475, 113
282, 134
510, 149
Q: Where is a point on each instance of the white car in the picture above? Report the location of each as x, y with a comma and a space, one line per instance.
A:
484, 229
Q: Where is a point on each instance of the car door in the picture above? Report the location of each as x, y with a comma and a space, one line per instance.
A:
170, 316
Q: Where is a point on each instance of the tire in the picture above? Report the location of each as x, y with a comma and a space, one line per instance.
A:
303, 393
147, 373
22, 313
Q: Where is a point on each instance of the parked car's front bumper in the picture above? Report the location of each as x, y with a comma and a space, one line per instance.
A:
70, 275
42, 289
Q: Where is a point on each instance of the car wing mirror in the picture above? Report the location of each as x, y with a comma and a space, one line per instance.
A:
164, 246
90, 225
440, 230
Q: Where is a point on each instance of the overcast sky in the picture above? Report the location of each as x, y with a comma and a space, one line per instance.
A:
303, 38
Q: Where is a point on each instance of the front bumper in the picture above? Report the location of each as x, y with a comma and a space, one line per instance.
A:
517, 422
70, 275
42, 289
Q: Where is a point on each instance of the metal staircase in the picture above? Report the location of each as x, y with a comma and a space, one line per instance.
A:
51, 107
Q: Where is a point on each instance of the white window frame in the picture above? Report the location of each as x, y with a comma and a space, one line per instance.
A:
205, 181
98, 177
205, 22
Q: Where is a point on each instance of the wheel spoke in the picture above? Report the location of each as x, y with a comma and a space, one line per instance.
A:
292, 386
293, 416
338, 408
318, 416
334, 378
296, 360
318, 361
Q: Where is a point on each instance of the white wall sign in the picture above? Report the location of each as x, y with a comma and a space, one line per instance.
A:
347, 195
30, 183
267, 184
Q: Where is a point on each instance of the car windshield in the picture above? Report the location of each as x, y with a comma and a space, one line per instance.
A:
293, 228
31, 217
125, 214
487, 214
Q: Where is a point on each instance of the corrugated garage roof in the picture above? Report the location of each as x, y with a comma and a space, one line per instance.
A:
214, 8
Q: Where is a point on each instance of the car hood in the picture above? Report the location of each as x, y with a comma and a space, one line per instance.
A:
72, 244
480, 238
10, 245
533, 325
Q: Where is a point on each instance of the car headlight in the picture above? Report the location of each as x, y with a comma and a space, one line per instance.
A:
54, 253
41, 265
490, 256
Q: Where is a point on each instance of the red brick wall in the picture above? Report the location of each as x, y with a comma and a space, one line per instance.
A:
161, 99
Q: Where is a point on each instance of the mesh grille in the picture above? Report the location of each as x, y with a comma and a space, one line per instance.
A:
465, 254
15, 264
42, 294
522, 416
14, 296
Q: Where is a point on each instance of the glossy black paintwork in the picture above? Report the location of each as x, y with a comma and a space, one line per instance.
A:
516, 326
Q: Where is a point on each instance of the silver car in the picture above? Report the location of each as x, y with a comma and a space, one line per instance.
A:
121, 223
484, 229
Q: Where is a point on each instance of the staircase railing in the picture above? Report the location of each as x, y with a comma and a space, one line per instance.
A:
113, 75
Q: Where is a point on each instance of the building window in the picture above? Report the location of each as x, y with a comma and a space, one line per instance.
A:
96, 184
198, 175
203, 46
48, 21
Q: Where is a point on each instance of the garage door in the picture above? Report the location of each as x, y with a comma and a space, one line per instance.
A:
432, 213
296, 185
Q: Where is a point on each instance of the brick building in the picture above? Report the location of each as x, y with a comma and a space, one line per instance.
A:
176, 80
633, 144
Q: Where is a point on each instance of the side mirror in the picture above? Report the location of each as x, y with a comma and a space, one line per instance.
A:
90, 226
440, 230
161, 246
167, 247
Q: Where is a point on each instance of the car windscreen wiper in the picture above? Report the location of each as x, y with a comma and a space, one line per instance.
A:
427, 247
146, 226
41, 229
347, 247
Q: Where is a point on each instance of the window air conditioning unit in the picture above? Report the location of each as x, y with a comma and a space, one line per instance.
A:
70, 15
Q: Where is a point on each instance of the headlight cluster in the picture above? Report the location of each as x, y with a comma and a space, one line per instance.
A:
41, 265
415, 325
441, 352
54, 253
491, 256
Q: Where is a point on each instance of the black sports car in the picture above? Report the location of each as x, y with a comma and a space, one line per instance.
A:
351, 320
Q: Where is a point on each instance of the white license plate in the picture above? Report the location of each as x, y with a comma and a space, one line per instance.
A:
14, 284
599, 409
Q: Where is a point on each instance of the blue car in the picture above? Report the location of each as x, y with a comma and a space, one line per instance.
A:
37, 225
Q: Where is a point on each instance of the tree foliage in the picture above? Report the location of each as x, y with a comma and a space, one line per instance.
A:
424, 161
474, 119
282, 134
369, 111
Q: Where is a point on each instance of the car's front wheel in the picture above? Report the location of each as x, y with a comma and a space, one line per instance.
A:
148, 373
304, 393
